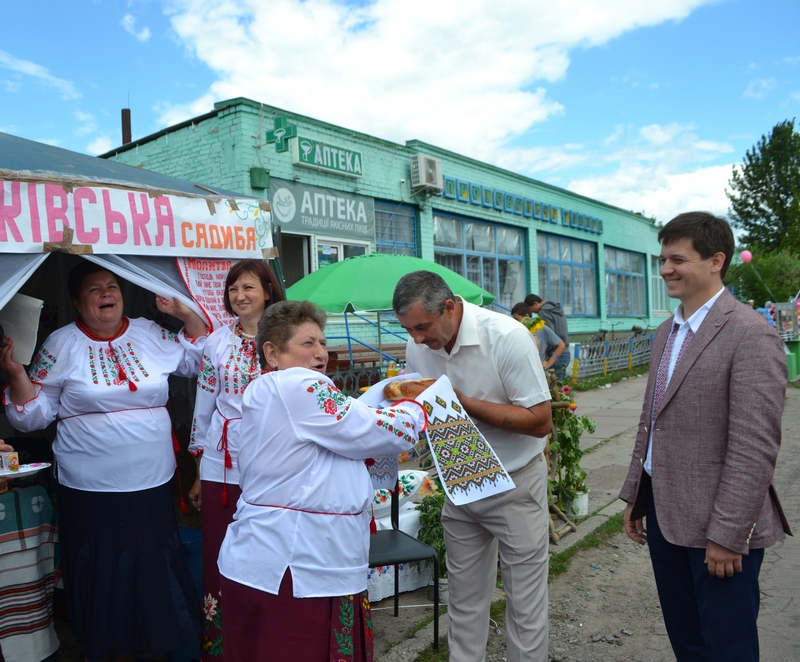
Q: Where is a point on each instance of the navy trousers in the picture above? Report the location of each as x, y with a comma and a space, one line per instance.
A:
708, 619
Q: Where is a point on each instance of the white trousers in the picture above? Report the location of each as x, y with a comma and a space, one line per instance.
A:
516, 524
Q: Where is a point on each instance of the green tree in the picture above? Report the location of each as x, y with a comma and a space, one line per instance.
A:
765, 192
781, 271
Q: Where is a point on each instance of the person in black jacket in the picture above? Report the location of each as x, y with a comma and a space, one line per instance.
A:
553, 315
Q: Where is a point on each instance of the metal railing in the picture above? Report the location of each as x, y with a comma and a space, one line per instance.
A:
598, 358
350, 380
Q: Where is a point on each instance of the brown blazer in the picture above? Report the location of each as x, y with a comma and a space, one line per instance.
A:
716, 439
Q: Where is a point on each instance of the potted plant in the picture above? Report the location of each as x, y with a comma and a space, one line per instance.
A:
431, 532
567, 484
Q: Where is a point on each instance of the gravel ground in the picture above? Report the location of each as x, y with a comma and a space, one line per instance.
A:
602, 609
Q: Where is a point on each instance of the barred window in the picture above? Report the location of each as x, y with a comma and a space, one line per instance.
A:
625, 283
395, 229
568, 273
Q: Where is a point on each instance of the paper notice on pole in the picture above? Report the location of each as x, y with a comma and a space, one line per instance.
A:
205, 280
20, 320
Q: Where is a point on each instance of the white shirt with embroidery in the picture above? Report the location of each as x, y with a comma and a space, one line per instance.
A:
229, 364
109, 437
306, 491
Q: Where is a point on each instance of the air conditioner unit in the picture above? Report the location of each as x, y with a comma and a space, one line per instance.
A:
426, 172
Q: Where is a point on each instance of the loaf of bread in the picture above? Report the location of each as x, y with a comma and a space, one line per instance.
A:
406, 388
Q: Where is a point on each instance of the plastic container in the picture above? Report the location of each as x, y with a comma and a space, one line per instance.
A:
791, 364
192, 541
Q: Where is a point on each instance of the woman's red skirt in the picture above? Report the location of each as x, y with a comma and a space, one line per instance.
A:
262, 627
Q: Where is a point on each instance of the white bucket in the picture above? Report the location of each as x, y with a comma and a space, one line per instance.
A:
579, 506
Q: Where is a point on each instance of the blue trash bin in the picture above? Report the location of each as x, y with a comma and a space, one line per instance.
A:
192, 540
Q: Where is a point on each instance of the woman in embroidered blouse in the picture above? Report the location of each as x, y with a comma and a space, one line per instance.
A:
230, 363
294, 561
104, 378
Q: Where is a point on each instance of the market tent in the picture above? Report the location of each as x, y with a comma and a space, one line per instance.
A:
38, 185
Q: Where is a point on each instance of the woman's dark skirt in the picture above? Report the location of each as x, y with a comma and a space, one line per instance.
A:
126, 578
216, 518
262, 627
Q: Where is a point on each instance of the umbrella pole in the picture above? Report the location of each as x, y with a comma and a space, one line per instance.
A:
380, 345
349, 343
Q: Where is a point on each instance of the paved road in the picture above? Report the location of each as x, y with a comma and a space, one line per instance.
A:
616, 411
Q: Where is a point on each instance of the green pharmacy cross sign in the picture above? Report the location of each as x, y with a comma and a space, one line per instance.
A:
314, 153
281, 133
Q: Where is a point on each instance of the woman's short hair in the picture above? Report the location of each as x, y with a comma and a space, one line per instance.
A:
261, 270
279, 323
79, 274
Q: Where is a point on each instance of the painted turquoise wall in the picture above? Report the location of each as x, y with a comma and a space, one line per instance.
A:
219, 148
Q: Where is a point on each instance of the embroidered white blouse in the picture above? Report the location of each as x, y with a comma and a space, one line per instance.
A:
305, 488
110, 438
229, 364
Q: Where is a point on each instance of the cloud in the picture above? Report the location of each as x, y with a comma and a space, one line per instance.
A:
759, 88
39, 74
654, 191
472, 80
128, 23
477, 81
87, 123
659, 171
101, 145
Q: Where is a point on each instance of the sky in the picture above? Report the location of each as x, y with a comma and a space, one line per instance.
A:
644, 105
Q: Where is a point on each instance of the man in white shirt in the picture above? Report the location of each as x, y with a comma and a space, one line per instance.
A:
705, 454
495, 369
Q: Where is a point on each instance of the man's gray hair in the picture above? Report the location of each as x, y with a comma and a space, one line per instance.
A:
424, 286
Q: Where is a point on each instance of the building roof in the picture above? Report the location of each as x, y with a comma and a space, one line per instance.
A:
22, 159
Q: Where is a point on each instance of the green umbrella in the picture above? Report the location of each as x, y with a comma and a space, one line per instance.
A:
367, 282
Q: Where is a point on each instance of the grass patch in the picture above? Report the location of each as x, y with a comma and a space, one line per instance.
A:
427, 620
596, 381
559, 563
497, 612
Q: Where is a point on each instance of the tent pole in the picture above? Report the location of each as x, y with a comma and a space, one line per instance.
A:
380, 345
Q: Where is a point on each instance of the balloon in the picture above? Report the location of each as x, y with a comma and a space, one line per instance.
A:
746, 256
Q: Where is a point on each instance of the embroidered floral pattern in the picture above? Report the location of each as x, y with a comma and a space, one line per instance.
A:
386, 420
42, 364
330, 399
212, 625
344, 634
207, 378
242, 366
168, 335
344, 629
107, 360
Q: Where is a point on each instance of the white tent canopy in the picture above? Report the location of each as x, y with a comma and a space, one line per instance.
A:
132, 221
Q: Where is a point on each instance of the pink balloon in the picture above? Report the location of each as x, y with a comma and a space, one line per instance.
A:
746, 256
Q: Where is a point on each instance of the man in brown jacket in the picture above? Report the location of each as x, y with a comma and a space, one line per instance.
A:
709, 435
